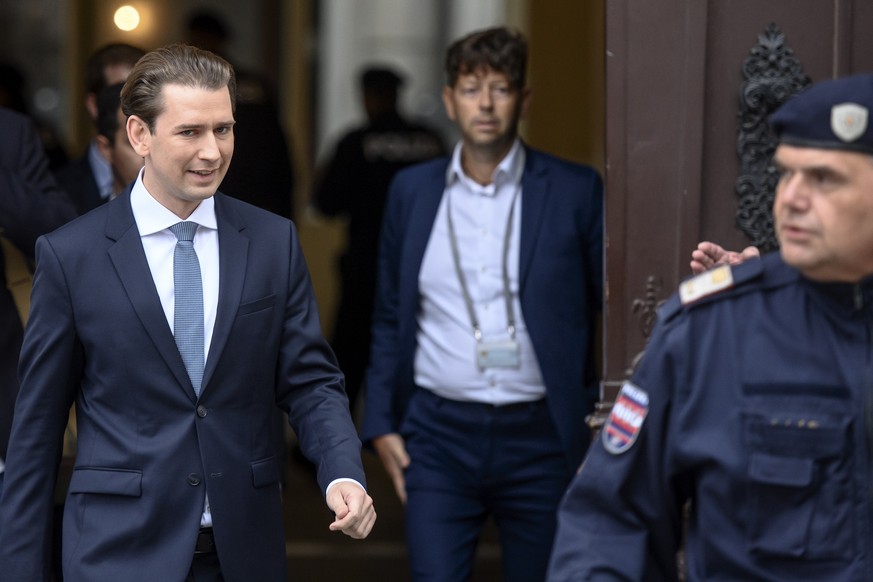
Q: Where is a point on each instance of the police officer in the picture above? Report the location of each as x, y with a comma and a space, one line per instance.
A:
746, 431
354, 185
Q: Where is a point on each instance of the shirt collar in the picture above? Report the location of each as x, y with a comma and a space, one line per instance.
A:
102, 171
509, 170
151, 216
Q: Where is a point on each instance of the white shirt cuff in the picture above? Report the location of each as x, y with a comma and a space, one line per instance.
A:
335, 481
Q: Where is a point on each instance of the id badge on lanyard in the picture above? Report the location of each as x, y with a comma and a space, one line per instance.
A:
498, 354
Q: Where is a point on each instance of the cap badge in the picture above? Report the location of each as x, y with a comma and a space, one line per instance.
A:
848, 121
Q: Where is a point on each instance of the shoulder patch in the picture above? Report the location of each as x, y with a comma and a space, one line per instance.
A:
626, 419
706, 283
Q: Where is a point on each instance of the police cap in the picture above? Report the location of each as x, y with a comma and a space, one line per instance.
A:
831, 114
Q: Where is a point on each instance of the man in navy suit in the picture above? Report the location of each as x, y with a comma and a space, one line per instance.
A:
481, 371
31, 204
177, 474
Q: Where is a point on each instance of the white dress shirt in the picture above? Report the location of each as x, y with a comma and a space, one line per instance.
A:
153, 221
445, 359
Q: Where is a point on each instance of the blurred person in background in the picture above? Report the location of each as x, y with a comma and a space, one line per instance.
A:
88, 179
262, 172
354, 185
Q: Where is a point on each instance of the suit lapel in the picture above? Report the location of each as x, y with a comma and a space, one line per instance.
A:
420, 224
232, 256
128, 257
534, 197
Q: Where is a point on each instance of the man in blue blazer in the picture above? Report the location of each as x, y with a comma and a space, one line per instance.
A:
177, 474
481, 374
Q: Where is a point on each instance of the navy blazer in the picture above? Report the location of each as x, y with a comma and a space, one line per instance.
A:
77, 179
147, 447
560, 287
31, 204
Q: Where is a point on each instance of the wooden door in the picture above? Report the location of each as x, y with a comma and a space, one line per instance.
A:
681, 76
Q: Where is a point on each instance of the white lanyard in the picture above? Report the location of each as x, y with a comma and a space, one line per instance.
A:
507, 294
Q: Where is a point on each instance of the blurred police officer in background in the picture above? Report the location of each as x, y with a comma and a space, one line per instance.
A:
354, 185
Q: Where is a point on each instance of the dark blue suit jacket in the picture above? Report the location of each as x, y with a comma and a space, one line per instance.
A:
77, 180
147, 448
31, 204
561, 277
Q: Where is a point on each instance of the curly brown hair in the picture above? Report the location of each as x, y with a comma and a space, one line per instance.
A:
500, 49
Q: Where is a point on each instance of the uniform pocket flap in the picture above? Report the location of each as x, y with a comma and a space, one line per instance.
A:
784, 471
106, 481
821, 442
265, 472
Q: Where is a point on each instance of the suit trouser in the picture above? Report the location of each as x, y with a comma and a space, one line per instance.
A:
468, 462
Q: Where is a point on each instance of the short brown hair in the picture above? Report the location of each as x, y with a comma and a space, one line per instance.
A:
175, 64
104, 57
500, 49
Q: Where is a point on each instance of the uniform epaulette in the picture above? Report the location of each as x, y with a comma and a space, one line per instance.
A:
711, 284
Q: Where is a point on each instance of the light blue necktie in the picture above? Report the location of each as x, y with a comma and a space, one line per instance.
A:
188, 312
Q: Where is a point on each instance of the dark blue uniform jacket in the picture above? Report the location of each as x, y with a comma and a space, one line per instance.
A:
758, 427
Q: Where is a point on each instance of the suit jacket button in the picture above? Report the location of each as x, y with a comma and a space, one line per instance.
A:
194, 479
201, 411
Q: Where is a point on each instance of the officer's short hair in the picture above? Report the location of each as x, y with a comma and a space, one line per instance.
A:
833, 114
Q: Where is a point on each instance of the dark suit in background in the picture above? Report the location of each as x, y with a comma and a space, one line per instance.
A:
559, 287
31, 204
77, 180
88, 179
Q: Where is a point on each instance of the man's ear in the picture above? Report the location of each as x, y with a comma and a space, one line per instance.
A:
91, 105
139, 135
448, 103
526, 94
